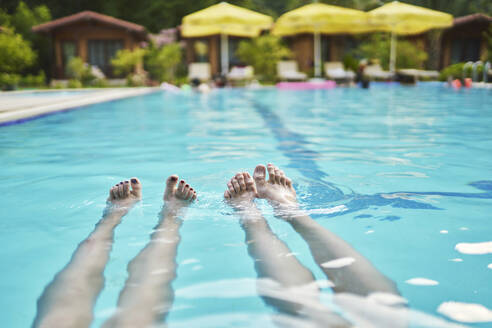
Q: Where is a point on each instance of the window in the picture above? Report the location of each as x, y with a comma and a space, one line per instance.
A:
201, 51
463, 50
69, 50
101, 52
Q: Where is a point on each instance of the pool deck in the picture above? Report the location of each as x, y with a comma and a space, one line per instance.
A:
21, 105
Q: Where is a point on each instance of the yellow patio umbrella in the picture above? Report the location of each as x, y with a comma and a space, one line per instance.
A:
404, 19
320, 18
225, 19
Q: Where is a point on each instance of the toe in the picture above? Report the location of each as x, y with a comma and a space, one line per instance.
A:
114, 193
271, 173
186, 190
277, 175
190, 194
180, 188
232, 192
126, 188
240, 180
136, 187
193, 197
170, 186
250, 183
259, 174
282, 178
288, 182
111, 196
121, 192
236, 186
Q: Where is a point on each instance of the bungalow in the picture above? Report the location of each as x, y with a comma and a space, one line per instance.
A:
92, 36
464, 41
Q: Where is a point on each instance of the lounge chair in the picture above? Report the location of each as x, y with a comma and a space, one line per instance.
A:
375, 71
335, 71
240, 74
411, 75
287, 70
200, 71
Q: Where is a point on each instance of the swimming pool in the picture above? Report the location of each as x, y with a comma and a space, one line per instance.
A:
402, 173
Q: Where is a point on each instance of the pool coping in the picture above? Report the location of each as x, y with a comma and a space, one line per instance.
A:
23, 114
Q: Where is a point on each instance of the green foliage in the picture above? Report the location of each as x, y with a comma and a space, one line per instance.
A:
378, 47
455, 71
30, 80
136, 80
24, 19
351, 63
9, 81
161, 63
263, 53
74, 84
15, 53
125, 61
80, 71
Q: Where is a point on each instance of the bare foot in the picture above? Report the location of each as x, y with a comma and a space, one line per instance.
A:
124, 195
241, 191
278, 189
177, 195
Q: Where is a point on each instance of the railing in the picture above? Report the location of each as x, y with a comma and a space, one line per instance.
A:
474, 69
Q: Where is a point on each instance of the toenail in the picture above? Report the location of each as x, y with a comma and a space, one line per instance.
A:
182, 181
174, 179
191, 189
127, 181
187, 185
134, 181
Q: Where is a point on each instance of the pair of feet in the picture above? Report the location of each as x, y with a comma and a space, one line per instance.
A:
241, 192
125, 194
242, 189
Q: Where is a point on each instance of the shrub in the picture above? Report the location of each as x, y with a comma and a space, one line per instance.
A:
349, 62
126, 61
73, 83
80, 71
9, 81
378, 47
34, 80
162, 63
15, 53
455, 71
263, 53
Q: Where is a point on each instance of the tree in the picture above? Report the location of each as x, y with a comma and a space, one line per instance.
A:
161, 63
263, 53
125, 62
15, 53
378, 47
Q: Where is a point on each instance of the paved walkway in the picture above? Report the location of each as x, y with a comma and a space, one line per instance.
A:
19, 105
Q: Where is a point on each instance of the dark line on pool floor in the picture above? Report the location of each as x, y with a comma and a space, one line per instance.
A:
294, 146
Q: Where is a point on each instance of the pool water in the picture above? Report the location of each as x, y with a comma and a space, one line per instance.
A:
404, 174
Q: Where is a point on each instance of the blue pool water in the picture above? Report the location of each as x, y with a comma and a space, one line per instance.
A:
402, 173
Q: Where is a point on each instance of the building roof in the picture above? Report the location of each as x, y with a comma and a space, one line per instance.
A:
87, 16
474, 18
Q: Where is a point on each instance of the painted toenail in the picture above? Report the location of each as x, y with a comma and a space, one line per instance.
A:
191, 189
174, 179
182, 181
127, 181
187, 185
134, 181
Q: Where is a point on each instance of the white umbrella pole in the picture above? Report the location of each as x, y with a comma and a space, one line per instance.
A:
224, 54
317, 55
393, 52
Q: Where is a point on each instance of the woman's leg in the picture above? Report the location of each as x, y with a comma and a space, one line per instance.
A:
69, 299
148, 295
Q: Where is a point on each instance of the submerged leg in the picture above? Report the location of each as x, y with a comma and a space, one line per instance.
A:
284, 282
69, 299
351, 272
148, 295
